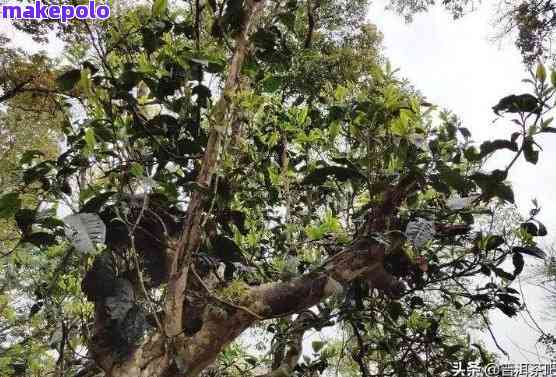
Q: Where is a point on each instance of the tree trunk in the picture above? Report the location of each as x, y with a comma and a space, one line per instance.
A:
173, 351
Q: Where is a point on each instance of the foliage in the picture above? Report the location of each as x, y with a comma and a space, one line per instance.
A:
321, 146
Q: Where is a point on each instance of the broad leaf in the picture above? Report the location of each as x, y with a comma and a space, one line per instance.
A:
40, 239
318, 176
491, 146
531, 155
159, 7
67, 80
530, 250
9, 204
518, 262
84, 230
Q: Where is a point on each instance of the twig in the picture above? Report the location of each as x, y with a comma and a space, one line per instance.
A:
214, 296
144, 207
493, 336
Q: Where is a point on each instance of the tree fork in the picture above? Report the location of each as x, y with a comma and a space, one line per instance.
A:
191, 234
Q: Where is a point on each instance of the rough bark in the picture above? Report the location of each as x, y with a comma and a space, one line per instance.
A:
177, 352
157, 357
221, 324
191, 234
294, 342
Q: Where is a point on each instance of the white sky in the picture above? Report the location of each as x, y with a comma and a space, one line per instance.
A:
455, 65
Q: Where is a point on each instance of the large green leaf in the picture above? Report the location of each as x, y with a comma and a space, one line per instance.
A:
491, 146
159, 7
522, 103
530, 250
94, 204
518, 262
531, 155
40, 239
67, 80
319, 176
493, 185
9, 204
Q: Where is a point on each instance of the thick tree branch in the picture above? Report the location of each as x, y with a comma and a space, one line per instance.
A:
222, 324
191, 234
311, 22
294, 342
363, 258
190, 352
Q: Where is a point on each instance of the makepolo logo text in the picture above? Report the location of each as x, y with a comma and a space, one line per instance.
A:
39, 11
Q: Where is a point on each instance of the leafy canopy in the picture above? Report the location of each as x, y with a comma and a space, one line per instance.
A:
322, 145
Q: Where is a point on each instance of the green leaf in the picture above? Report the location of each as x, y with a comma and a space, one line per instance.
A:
318, 176
504, 192
159, 7
9, 205
90, 141
508, 310
508, 299
93, 205
503, 274
530, 250
398, 127
464, 132
271, 84
317, 345
531, 155
553, 78
67, 80
136, 169
40, 239
288, 19
542, 229
454, 178
549, 130
518, 262
522, 103
24, 219
493, 242
546, 122
29, 155
492, 185
489, 147
540, 74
